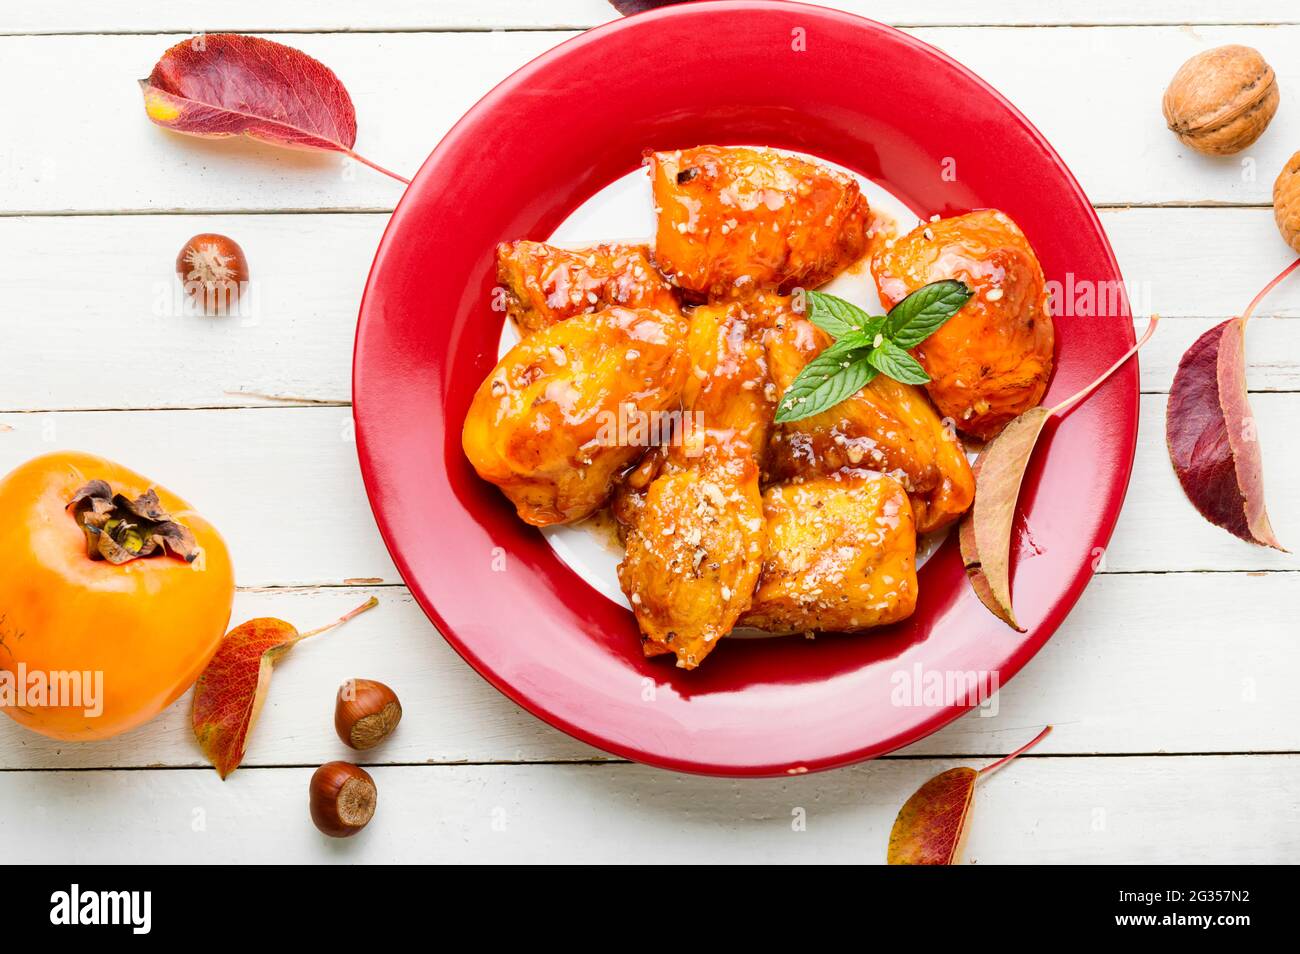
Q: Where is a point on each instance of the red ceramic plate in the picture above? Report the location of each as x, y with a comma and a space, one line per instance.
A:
859, 94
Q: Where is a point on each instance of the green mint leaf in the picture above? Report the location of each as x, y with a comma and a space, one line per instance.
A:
835, 316
892, 360
851, 341
923, 312
837, 373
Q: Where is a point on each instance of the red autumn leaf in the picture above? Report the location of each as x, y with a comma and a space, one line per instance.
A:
985, 532
223, 84
1211, 431
229, 695
931, 826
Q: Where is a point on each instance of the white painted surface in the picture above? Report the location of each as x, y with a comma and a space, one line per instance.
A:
70, 278
1094, 92
1183, 646
1116, 678
1133, 810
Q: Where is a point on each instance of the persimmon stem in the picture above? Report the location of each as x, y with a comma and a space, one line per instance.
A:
989, 769
1076, 398
368, 604
376, 166
1245, 315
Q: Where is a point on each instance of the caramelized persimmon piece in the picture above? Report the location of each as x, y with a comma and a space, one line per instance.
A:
562, 414
694, 555
841, 555
992, 360
733, 220
545, 284
886, 426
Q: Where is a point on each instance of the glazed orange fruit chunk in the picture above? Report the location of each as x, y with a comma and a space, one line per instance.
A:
545, 284
694, 554
992, 360
550, 424
841, 555
732, 220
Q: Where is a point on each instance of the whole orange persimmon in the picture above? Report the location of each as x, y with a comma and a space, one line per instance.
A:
114, 594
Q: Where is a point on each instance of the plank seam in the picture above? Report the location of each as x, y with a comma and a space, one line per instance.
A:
583, 27
611, 761
388, 210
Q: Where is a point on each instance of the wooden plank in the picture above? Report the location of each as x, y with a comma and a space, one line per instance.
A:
282, 484
264, 475
408, 89
1158, 528
1272, 348
1097, 99
307, 274
1042, 810
1200, 262
309, 271
1142, 665
87, 16
1094, 92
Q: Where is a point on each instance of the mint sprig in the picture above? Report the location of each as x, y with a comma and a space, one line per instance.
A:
866, 345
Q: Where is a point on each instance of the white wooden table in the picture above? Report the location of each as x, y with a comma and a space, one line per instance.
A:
1172, 684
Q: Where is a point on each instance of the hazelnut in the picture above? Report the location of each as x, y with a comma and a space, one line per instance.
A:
1220, 101
213, 271
1286, 202
343, 799
365, 713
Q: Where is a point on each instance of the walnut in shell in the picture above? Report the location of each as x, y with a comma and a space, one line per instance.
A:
1220, 101
1286, 202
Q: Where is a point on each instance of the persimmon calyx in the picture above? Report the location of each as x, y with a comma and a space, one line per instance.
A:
119, 530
